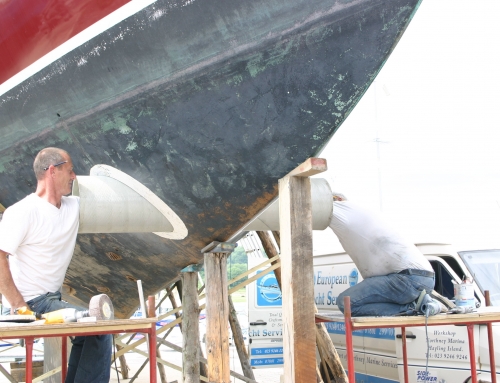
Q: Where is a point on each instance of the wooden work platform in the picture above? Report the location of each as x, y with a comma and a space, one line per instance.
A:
33, 330
483, 315
38, 329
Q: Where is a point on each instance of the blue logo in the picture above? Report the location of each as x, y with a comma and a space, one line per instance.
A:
353, 277
268, 291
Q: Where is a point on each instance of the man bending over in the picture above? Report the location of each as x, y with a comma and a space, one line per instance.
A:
396, 276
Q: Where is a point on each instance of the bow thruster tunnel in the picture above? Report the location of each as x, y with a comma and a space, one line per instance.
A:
113, 202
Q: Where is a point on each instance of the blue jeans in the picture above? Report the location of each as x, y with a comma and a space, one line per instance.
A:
385, 295
90, 358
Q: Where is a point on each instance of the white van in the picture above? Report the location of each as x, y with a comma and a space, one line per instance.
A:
378, 352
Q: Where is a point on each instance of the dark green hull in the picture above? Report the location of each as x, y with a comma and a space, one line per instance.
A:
208, 104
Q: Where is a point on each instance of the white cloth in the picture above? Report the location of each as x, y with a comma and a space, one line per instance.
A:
40, 239
373, 245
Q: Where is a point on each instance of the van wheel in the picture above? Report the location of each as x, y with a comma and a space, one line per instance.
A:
479, 380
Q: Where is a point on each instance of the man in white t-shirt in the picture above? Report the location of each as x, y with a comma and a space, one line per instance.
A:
37, 240
396, 276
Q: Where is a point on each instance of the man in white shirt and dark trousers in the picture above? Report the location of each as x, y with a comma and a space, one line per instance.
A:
37, 240
396, 276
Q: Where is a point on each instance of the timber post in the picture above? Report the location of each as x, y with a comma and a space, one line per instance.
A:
123, 362
217, 309
190, 322
299, 333
276, 235
271, 252
239, 341
326, 349
173, 301
52, 357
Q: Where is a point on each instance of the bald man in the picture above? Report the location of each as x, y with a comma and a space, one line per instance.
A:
37, 240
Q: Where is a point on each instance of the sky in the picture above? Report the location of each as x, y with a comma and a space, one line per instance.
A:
422, 147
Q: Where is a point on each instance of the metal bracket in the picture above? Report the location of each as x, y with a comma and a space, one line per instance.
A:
194, 268
219, 247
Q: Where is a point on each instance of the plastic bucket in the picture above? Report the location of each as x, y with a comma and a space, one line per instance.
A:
464, 295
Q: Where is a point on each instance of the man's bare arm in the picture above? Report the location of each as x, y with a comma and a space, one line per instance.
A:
7, 286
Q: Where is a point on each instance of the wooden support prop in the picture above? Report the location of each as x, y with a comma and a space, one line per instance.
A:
151, 307
145, 354
217, 338
170, 288
161, 367
324, 366
309, 167
239, 341
5, 373
191, 333
274, 261
299, 339
173, 301
318, 376
271, 252
136, 375
178, 286
195, 269
52, 357
124, 368
329, 354
323, 340
2, 208
276, 235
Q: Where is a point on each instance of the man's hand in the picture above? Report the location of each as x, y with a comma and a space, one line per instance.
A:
24, 310
7, 287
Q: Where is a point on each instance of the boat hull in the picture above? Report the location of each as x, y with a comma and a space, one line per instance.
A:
208, 104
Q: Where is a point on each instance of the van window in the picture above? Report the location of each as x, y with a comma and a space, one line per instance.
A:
484, 266
452, 262
443, 284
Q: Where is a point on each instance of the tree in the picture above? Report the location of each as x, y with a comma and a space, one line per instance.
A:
239, 255
237, 264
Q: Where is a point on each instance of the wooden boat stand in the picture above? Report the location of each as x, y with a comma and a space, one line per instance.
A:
296, 200
298, 295
485, 315
189, 311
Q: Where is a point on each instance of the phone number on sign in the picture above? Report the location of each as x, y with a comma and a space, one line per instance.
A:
448, 356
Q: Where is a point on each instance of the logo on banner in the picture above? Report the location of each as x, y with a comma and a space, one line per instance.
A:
268, 291
427, 376
353, 277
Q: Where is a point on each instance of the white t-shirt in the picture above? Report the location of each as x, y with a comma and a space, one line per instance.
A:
40, 239
373, 245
